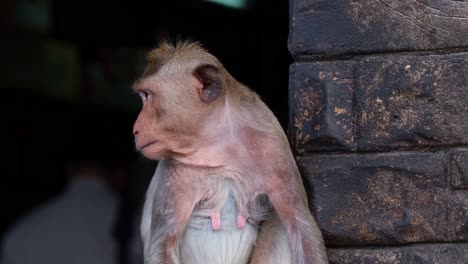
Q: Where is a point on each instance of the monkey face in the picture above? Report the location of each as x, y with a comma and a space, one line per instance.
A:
179, 91
174, 111
148, 137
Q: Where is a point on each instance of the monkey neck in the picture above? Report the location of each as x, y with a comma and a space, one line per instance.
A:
220, 142
193, 161
208, 153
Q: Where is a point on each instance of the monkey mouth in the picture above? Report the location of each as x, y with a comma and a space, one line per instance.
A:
148, 144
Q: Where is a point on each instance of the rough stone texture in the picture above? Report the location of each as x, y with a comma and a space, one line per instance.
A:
415, 254
458, 215
385, 199
322, 106
412, 101
367, 256
459, 169
379, 121
361, 26
459, 182
381, 103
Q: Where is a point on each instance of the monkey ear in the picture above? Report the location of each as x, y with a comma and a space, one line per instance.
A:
210, 82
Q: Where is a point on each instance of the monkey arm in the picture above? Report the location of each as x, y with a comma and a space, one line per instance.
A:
173, 202
167, 229
272, 245
289, 201
280, 179
287, 195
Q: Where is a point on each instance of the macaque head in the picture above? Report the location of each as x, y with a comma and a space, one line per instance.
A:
180, 89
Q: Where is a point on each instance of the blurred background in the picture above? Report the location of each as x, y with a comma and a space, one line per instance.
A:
66, 68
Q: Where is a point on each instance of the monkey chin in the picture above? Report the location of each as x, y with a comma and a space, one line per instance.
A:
152, 151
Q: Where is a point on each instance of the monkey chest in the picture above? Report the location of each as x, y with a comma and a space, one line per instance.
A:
229, 244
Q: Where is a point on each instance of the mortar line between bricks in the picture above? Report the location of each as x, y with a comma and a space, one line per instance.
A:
360, 55
450, 230
356, 110
402, 246
445, 148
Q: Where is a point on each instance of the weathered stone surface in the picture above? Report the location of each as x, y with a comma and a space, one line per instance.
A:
458, 215
413, 254
367, 256
322, 106
382, 199
381, 103
459, 169
459, 181
401, 103
361, 26
412, 101
440, 254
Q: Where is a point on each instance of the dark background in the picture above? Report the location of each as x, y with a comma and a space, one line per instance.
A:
66, 82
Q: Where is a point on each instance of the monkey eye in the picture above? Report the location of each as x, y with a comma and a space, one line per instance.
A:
145, 95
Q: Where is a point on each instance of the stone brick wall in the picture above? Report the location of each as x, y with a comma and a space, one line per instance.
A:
379, 124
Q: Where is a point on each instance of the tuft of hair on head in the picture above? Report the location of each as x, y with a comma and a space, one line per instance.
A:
167, 50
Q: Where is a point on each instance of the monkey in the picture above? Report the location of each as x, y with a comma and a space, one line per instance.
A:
226, 188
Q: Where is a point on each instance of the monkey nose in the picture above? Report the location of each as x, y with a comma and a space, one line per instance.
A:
135, 132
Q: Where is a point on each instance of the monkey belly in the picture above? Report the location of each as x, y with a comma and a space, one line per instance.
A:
229, 245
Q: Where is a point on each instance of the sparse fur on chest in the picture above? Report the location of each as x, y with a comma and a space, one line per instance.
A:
201, 244
229, 196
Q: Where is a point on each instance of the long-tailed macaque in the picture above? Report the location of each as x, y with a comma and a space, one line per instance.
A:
227, 189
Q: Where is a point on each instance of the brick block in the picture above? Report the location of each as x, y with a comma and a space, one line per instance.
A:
459, 169
458, 215
412, 101
380, 103
367, 256
322, 106
459, 181
414, 254
384, 199
362, 26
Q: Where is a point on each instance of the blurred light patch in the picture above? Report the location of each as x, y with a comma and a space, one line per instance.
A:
238, 4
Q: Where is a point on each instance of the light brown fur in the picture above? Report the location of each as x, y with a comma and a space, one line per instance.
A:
216, 139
